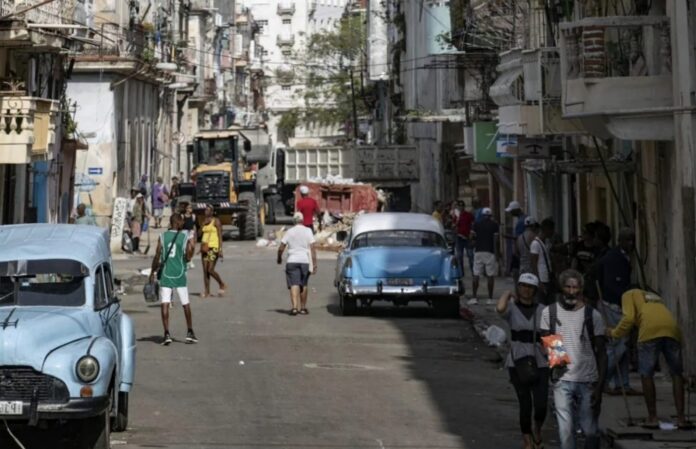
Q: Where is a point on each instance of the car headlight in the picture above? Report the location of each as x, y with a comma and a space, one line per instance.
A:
87, 368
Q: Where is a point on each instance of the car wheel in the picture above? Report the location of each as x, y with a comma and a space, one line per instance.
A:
349, 306
446, 307
120, 422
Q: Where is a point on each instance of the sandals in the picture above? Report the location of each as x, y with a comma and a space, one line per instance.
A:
304, 312
294, 312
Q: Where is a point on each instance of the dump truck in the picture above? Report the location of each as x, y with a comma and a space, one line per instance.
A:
225, 165
390, 167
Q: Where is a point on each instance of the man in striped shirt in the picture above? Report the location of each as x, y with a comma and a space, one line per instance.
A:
579, 383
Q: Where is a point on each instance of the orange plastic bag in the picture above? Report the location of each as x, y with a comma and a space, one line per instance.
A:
558, 355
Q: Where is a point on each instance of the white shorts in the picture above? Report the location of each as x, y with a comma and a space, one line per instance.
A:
485, 263
181, 292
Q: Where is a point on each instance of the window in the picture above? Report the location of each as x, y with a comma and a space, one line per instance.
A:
262, 25
286, 88
51, 282
100, 298
108, 282
287, 21
397, 238
287, 52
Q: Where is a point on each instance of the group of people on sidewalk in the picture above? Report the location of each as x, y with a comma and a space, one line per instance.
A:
577, 386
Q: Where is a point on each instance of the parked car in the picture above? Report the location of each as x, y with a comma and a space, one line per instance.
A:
68, 350
398, 257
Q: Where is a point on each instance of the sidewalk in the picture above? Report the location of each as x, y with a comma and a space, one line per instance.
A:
613, 420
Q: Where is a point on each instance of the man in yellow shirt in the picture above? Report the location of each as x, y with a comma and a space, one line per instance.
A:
658, 332
438, 210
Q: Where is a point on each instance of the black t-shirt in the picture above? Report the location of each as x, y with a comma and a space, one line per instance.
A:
485, 235
585, 256
189, 223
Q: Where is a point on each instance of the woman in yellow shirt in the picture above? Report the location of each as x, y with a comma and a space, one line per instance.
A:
211, 251
658, 333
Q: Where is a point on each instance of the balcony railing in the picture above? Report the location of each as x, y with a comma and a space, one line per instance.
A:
616, 76
285, 40
17, 119
599, 47
286, 9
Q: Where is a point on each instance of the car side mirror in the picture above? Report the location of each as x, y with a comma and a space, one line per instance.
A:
341, 236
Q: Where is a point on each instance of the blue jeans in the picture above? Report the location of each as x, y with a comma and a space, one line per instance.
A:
566, 396
461, 246
616, 350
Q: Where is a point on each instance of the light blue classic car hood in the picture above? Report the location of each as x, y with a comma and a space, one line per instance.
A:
28, 334
403, 262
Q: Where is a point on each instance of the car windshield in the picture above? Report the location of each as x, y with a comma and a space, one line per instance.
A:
398, 238
42, 283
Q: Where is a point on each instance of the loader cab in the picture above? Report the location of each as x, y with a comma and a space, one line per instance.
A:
215, 150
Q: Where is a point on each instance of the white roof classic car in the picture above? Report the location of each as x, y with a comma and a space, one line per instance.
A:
396, 221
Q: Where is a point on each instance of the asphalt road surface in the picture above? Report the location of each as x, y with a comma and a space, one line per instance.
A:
259, 378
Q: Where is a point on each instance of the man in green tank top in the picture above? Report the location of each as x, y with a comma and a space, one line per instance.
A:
174, 251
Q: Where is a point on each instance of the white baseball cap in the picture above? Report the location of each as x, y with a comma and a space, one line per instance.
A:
530, 221
529, 279
513, 206
486, 211
304, 190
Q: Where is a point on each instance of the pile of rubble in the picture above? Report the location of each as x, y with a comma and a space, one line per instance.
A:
327, 239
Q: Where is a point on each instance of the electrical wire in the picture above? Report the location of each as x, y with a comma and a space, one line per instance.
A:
16, 440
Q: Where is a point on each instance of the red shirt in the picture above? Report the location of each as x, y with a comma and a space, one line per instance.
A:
309, 208
466, 220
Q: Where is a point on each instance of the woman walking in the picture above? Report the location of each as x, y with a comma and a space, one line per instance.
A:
527, 362
137, 220
211, 250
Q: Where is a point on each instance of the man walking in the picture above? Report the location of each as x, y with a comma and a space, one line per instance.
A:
302, 260
485, 256
308, 207
614, 276
82, 217
577, 386
523, 245
541, 266
160, 196
515, 209
465, 222
174, 251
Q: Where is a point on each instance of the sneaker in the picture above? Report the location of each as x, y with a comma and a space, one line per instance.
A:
167, 339
191, 337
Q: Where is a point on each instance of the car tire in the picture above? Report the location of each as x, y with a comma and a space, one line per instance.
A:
96, 432
446, 307
349, 306
120, 422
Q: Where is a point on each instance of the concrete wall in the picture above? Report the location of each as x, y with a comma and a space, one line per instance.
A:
120, 127
95, 121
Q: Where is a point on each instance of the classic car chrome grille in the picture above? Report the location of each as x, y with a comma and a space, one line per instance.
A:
20, 383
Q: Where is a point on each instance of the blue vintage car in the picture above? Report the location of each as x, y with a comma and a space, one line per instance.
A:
398, 257
67, 350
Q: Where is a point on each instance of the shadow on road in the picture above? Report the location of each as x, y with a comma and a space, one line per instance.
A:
151, 339
460, 371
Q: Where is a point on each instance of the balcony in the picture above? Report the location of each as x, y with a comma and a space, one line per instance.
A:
286, 8
17, 129
201, 5
616, 73
528, 94
285, 40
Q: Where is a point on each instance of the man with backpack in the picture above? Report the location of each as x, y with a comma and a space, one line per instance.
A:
580, 382
174, 251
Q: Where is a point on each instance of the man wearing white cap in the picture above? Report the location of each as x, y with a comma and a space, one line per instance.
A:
485, 254
301, 262
515, 210
308, 207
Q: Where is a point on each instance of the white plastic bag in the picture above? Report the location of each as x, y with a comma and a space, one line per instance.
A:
261, 243
495, 335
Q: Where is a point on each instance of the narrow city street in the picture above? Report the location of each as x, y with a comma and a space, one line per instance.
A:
261, 378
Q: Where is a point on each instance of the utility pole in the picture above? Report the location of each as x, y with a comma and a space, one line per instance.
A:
352, 98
